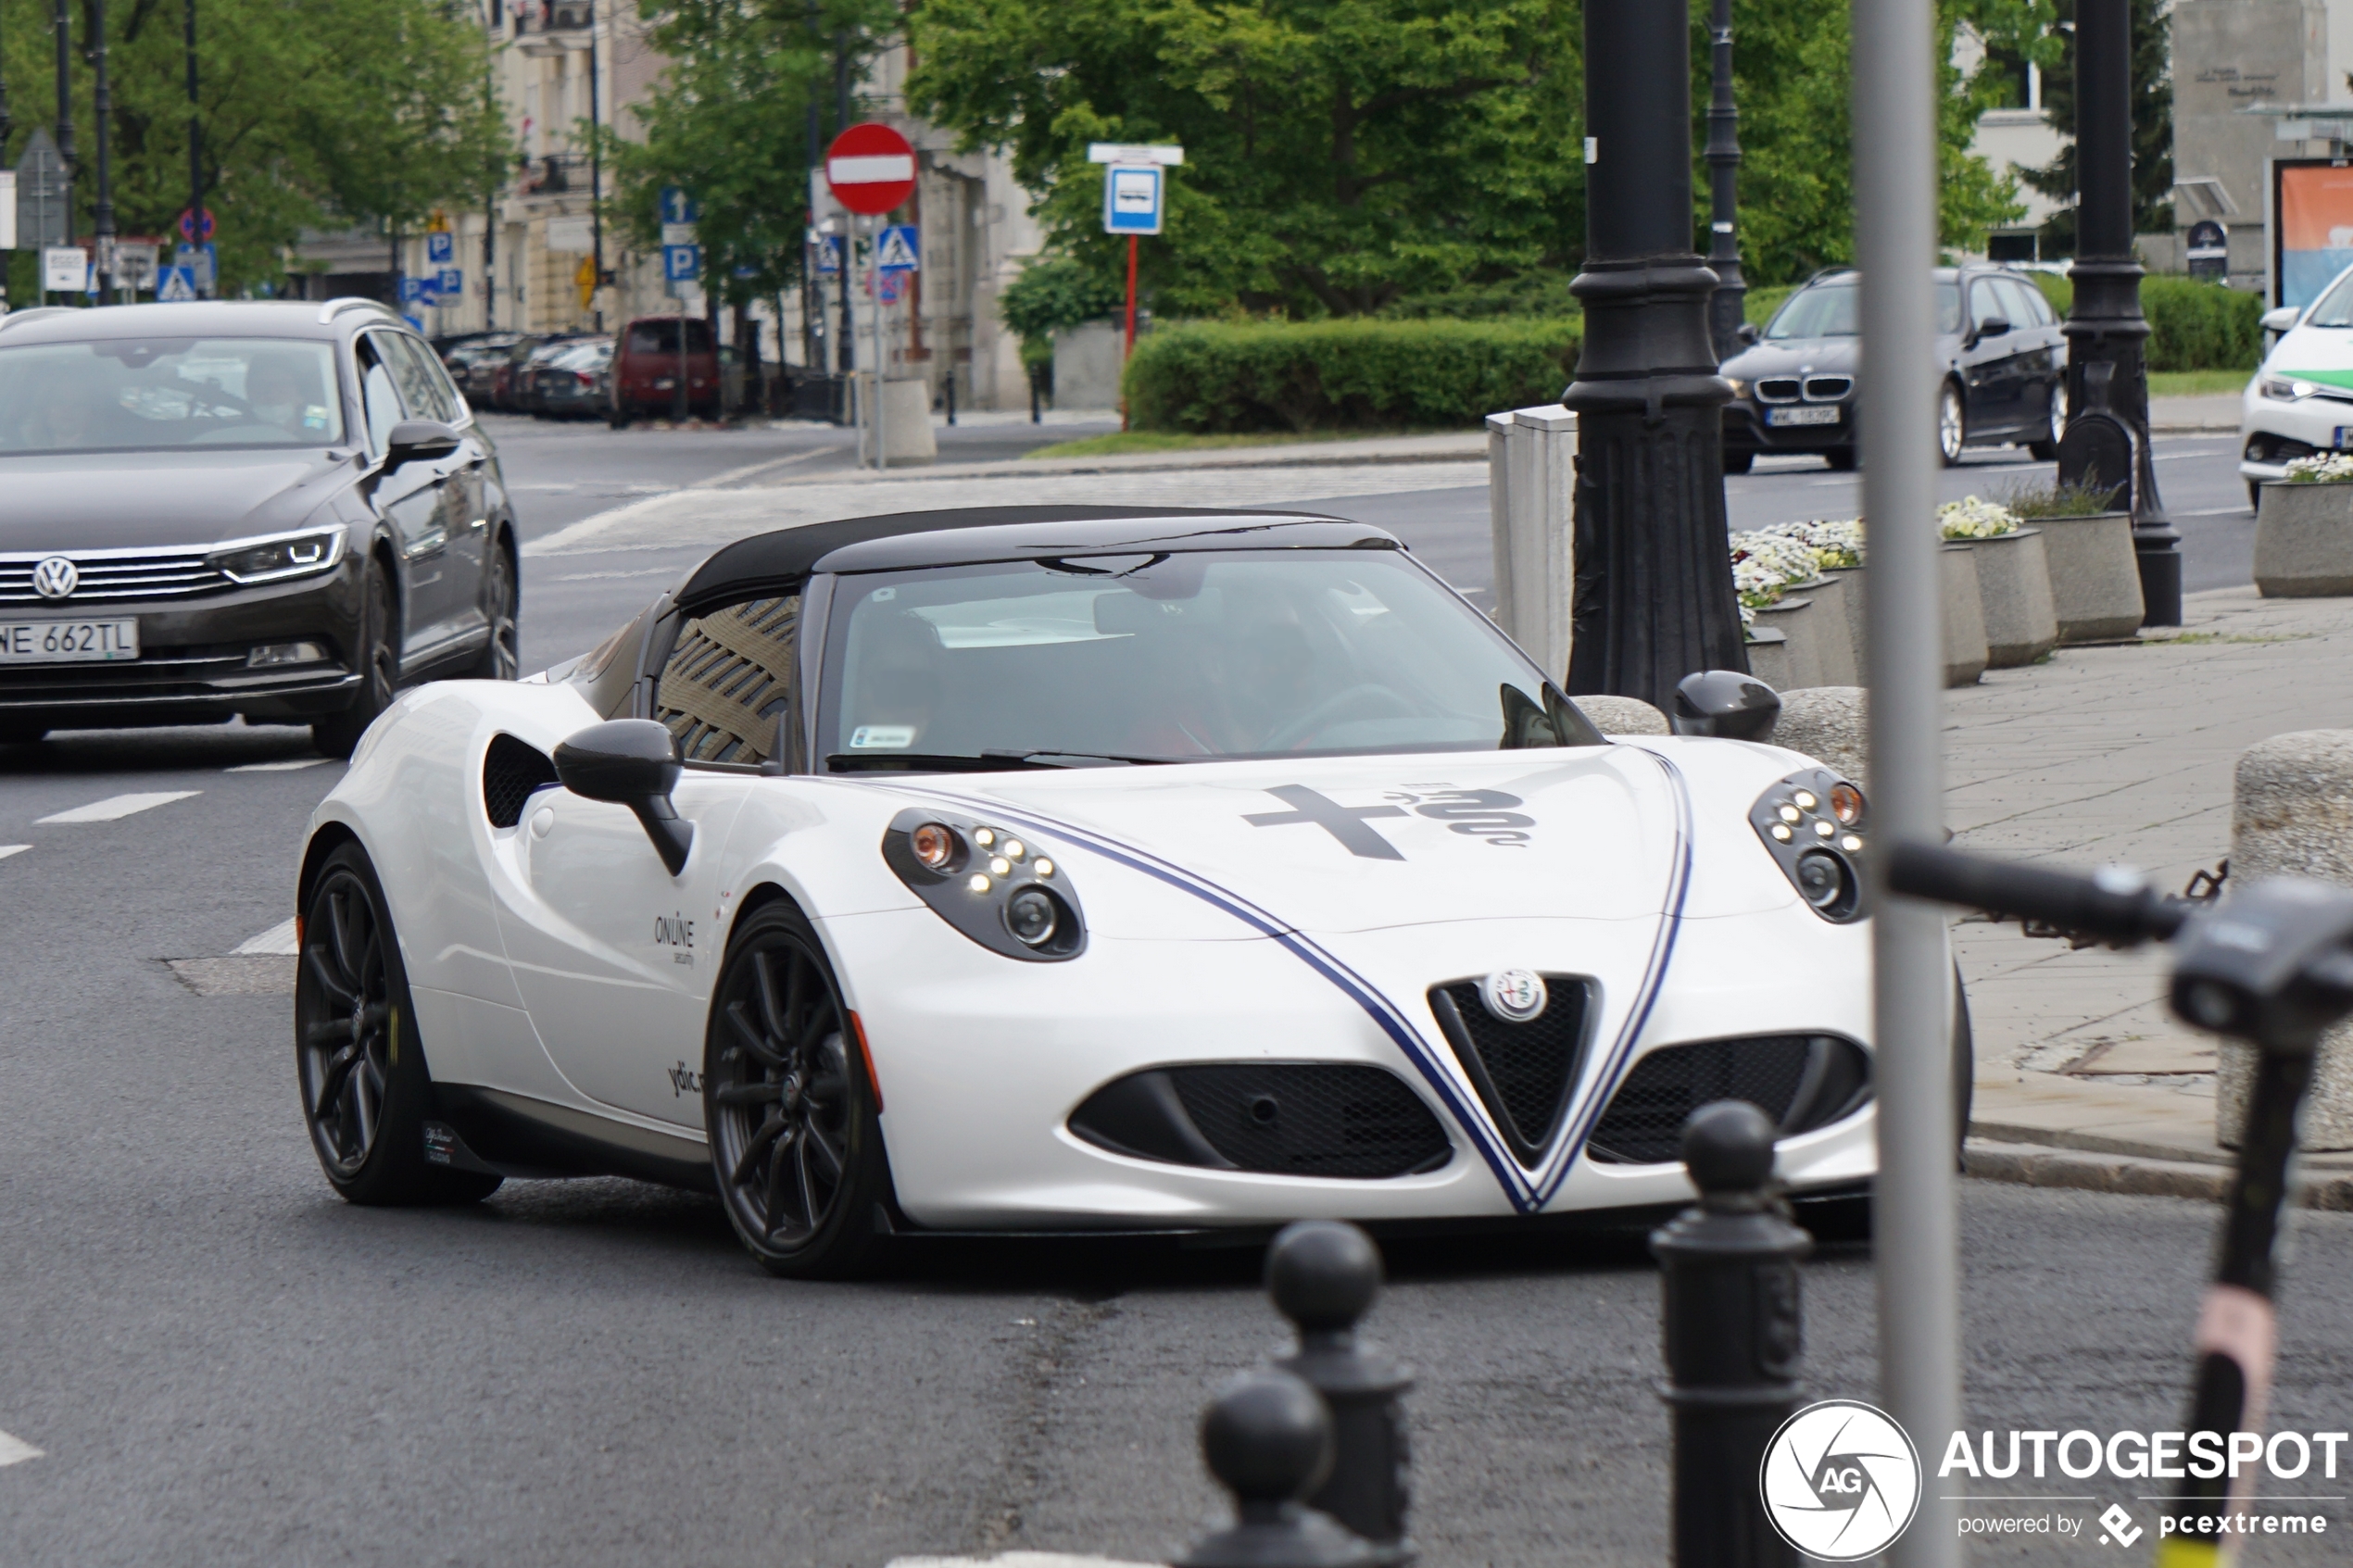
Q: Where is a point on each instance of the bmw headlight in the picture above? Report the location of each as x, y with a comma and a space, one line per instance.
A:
987, 882
1814, 823
1740, 387
281, 555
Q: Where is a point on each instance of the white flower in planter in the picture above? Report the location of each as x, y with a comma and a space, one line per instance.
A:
1974, 517
2322, 468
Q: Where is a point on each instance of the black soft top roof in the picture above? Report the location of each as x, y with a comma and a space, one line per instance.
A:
788, 555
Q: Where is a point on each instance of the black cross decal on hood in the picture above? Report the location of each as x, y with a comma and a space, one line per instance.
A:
1344, 822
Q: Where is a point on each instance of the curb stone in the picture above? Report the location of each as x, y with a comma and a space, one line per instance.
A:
2029, 1165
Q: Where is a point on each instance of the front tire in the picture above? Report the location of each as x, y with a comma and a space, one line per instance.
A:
379, 669
1952, 424
366, 1094
2047, 451
501, 658
789, 1099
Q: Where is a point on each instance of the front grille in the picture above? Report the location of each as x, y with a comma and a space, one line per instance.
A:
1284, 1118
512, 773
1800, 1081
1828, 389
162, 575
1523, 1072
1778, 389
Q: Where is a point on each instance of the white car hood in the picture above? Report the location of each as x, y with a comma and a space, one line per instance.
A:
1362, 843
2318, 354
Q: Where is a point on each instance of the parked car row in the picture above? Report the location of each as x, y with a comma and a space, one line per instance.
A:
634, 374
500, 370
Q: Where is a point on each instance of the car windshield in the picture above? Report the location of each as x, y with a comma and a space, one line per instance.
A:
139, 394
2335, 309
1092, 660
1828, 311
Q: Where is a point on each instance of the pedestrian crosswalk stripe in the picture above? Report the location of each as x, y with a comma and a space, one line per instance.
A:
116, 807
279, 938
275, 766
16, 1451
9, 849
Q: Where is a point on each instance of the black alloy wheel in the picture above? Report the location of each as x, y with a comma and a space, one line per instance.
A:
796, 1137
378, 665
1952, 424
2046, 451
501, 658
366, 1094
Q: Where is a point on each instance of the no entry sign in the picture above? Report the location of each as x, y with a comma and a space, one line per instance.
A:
870, 168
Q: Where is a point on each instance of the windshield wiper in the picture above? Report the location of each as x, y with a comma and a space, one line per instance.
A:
926, 761
1086, 755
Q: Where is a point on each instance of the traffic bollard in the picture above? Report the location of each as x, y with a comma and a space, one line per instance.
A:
1734, 1334
1268, 1441
1323, 1274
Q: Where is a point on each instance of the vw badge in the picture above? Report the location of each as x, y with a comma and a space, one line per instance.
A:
55, 578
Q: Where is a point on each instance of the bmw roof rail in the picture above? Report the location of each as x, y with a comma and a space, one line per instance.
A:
335, 307
13, 317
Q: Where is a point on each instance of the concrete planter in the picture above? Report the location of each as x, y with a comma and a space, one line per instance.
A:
906, 411
2096, 577
2014, 595
1852, 587
1837, 655
1963, 616
1804, 627
1769, 655
2304, 541
2292, 815
1827, 723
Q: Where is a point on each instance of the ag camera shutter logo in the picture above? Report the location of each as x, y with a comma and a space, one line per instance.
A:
1840, 1481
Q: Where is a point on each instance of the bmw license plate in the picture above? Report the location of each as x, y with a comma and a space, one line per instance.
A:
1826, 415
67, 642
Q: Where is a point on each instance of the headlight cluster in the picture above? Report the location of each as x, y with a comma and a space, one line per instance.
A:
2288, 390
1740, 387
1813, 824
987, 884
288, 554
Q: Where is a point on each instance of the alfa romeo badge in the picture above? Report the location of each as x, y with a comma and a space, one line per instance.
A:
1514, 994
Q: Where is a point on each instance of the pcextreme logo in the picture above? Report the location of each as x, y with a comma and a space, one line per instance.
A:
1840, 1480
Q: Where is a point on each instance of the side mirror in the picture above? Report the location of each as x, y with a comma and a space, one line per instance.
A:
2281, 320
630, 762
418, 441
1992, 326
1723, 702
1748, 332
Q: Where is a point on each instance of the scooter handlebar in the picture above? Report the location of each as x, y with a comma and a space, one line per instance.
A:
2113, 904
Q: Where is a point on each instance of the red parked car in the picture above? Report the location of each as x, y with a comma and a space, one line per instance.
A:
654, 351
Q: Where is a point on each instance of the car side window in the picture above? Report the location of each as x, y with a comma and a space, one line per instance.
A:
2028, 306
724, 686
378, 392
1984, 304
421, 385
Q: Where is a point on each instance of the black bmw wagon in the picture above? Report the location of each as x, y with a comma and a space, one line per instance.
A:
279, 510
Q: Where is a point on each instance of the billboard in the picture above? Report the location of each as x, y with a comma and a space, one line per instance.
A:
2312, 226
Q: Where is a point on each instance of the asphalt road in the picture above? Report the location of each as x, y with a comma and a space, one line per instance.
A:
222, 1364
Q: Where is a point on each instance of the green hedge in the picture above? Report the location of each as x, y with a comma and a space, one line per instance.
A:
1206, 378
2193, 326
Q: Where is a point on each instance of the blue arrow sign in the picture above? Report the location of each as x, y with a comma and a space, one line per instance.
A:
677, 206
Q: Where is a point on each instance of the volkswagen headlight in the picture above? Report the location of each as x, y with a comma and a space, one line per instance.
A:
282, 556
1814, 822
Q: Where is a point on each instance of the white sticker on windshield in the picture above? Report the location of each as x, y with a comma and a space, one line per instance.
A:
882, 737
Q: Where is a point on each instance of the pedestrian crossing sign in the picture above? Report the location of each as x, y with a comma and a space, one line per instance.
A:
895, 249
176, 284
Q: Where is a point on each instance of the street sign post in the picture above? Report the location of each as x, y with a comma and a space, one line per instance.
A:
1135, 197
681, 264
440, 248
870, 168
896, 249
584, 278
412, 291
197, 227
203, 263
676, 207
452, 283
8, 209
176, 284
135, 263
41, 193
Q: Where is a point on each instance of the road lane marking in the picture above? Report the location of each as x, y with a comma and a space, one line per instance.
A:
9, 849
278, 939
116, 807
16, 1451
2215, 512
721, 481
275, 766
608, 576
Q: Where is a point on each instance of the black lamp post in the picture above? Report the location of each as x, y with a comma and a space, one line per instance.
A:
65, 105
195, 144
1728, 308
1654, 594
101, 111
2107, 444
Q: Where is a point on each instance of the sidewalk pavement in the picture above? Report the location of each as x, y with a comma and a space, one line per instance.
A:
2121, 753
2184, 416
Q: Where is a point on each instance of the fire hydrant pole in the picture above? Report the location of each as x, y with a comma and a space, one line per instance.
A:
1734, 1338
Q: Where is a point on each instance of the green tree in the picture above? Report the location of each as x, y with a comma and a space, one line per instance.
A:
1338, 152
333, 112
2046, 31
728, 121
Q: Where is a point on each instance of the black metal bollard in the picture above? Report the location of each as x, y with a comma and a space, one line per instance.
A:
1268, 1441
1734, 1334
1323, 1274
